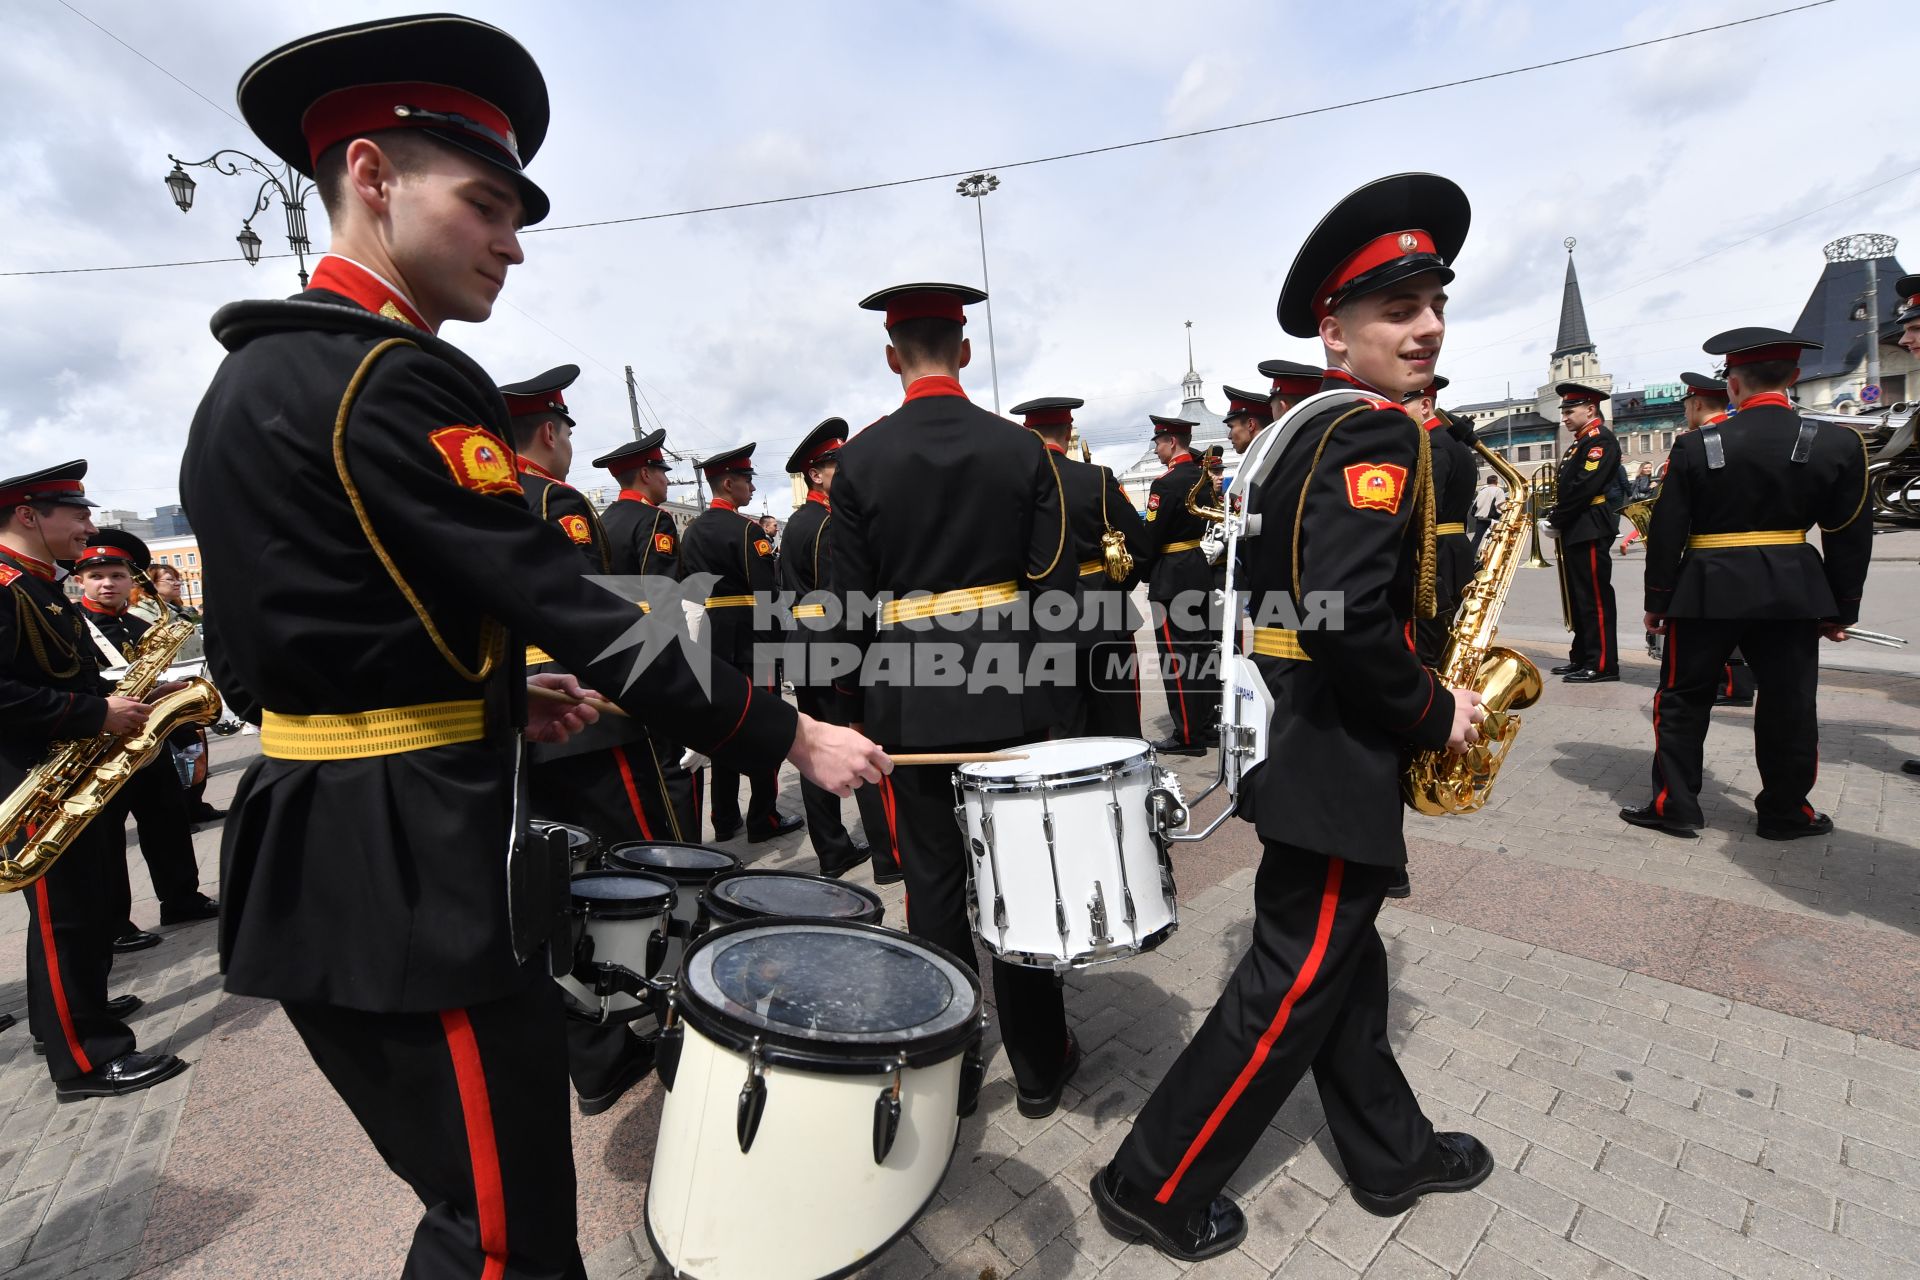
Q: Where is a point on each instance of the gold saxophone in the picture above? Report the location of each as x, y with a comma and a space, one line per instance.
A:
68, 789
1439, 782
1213, 543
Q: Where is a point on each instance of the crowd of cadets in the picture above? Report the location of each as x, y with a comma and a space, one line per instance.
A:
390, 660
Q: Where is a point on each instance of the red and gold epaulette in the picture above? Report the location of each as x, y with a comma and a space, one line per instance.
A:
8, 575
477, 459
576, 527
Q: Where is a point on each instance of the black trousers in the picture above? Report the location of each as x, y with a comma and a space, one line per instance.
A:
1189, 658
1310, 992
1589, 576
933, 854
158, 806
1106, 693
1783, 655
599, 1054
832, 843
724, 788
470, 1107
1737, 682
72, 920
633, 791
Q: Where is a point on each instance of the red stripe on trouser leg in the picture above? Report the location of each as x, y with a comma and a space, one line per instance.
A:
1599, 609
1180, 688
633, 792
1666, 683
489, 1194
893, 833
55, 981
1309, 969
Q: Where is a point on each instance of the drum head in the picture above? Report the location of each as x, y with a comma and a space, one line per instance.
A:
622, 894
682, 862
750, 895
1065, 757
827, 983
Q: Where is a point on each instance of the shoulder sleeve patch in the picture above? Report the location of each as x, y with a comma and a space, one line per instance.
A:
576, 527
762, 547
1376, 486
477, 459
8, 575
1596, 452
663, 543
1153, 502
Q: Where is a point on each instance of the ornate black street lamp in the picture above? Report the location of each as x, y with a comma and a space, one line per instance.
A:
284, 181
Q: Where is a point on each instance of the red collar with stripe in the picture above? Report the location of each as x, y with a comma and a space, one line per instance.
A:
935, 384
1590, 429
1341, 375
1715, 420
1057, 448
348, 278
722, 504
1761, 399
1175, 461
814, 495
1432, 422
634, 495
38, 568
91, 607
529, 467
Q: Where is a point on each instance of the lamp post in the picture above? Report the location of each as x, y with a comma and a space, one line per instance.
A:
285, 181
977, 187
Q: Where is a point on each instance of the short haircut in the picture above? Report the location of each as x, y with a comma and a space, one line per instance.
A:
41, 509
527, 426
1768, 375
405, 148
927, 340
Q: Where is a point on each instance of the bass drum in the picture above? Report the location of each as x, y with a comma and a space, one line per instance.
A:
783, 895
813, 1074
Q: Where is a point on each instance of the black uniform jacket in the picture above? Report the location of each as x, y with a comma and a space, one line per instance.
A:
641, 537
1456, 475
366, 546
1351, 484
937, 496
50, 685
1170, 524
806, 555
1085, 488
722, 541
1761, 488
1586, 469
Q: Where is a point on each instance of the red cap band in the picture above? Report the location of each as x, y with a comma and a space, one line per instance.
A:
1050, 418
1167, 429
1290, 385
368, 108
726, 468
1778, 351
826, 450
105, 553
1375, 253
927, 305
1580, 397
38, 490
1237, 407
550, 401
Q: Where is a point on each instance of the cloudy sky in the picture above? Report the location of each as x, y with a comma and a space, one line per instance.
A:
1700, 177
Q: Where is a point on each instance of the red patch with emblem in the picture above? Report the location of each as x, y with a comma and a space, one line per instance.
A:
1153, 502
1376, 486
575, 527
763, 547
8, 575
477, 459
1596, 452
663, 543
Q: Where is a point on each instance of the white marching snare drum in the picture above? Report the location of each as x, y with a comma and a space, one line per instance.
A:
620, 922
583, 847
813, 1082
1067, 851
785, 895
691, 867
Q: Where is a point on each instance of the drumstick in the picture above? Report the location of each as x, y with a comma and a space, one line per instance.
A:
544, 693
958, 757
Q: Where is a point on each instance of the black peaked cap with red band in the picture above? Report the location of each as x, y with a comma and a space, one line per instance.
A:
1756, 343
466, 83
1047, 411
542, 394
1387, 231
738, 459
1171, 426
60, 484
1248, 404
1579, 393
819, 444
1291, 378
924, 301
1908, 287
1699, 384
644, 452
115, 546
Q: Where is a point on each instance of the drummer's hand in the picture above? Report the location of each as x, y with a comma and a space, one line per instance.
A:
1656, 624
1833, 631
834, 758
160, 691
1467, 712
554, 722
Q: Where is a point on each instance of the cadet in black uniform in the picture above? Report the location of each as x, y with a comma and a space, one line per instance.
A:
51, 691
1728, 564
1312, 989
1180, 583
1105, 698
1585, 528
1705, 404
735, 549
941, 496
1905, 333
1248, 414
370, 879
153, 796
1292, 383
806, 556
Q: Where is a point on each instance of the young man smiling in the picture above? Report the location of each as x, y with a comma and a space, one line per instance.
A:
1350, 511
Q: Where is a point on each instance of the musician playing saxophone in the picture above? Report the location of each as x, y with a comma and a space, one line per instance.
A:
51, 690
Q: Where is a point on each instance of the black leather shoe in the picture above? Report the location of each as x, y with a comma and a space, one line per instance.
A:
723, 834
1033, 1106
121, 1006
207, 813
138, 940
1589, 676
838, 867
1566, 668
1460, 1163
6, 1020
199, 907
1722, 701
1645, 816
632, 1073
886, 869
1789, 829
128, 1073
1188, 1234
1171, 746
781, 826
1910, 766
1400, 886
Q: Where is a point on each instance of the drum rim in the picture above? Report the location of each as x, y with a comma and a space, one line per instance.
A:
683, 874
828, 1057
548, 824
1097, 775
730, 910
620, 908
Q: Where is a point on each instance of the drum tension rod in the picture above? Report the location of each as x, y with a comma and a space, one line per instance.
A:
753, 1099
886, 1113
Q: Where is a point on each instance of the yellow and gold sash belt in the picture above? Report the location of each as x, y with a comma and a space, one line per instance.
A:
729, 602
1758, 538
1192, 544
1278, 642
1598, 500
1453, 527
809, 611
359, 734
1092, 566
959, 600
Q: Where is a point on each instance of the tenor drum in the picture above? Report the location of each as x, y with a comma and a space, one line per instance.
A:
813, 1073
619, 925
583, 847
1067, 852
691, 867
781, 895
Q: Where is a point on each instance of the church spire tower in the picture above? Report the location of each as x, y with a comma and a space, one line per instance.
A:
1190, 386
1575, 357
1574, 339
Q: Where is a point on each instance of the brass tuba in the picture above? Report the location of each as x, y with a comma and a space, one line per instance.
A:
68, 789
1439, 782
